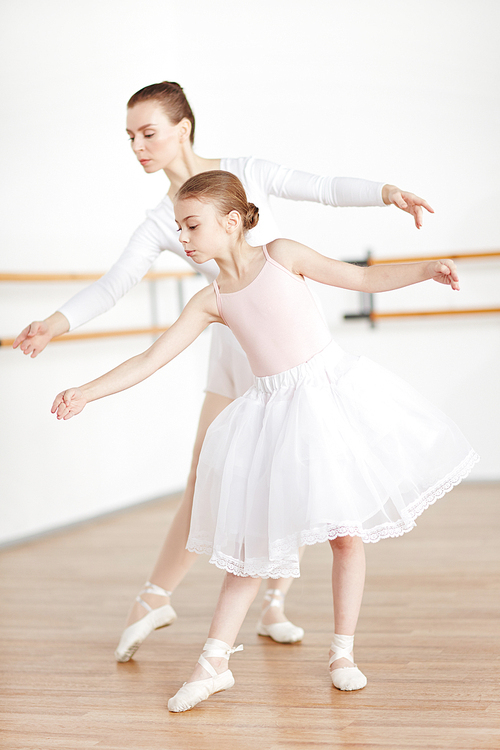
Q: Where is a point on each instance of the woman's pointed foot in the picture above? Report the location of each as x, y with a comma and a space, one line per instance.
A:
138, 631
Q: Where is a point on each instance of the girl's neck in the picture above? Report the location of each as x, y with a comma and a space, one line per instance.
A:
239, 265
186, 165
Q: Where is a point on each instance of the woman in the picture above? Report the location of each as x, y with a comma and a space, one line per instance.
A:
161, 127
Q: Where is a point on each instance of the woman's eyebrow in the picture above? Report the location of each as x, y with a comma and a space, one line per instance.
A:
143, 127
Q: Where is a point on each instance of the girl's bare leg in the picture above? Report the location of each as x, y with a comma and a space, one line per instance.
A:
174, 560
236, 596
348, 580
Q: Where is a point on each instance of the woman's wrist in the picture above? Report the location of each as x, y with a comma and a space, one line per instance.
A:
386, 191
57, 324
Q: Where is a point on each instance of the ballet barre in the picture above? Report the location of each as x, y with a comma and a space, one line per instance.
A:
152, 277
368, 312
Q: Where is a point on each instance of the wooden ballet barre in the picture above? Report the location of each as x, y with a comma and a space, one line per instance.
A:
373, 316
415, 313
152, 276
151, 330
452, 256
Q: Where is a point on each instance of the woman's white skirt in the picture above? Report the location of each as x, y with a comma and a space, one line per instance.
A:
337, 446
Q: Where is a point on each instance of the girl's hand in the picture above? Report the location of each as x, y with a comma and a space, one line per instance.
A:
408, 202
68, 403
34, 338
445, 272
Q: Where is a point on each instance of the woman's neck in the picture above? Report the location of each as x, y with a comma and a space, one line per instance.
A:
185, 166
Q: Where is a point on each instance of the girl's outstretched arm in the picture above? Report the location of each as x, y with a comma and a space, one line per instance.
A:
304, 261
200, 311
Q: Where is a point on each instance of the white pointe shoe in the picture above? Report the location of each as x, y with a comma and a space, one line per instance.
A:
345, 678
192, 693
135, 634
282, 632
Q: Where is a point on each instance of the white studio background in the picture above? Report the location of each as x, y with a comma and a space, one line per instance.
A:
369, 88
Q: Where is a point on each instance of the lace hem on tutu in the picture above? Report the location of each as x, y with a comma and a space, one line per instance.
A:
285, 549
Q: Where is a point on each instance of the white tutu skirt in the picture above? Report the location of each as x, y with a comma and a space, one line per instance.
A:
337, 446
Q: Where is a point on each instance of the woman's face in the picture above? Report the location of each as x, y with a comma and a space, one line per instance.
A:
155, 140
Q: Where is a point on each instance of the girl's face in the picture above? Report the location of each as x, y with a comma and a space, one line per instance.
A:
155, 140
202, 230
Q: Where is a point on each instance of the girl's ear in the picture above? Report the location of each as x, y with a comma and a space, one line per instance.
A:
184, 130
233, 222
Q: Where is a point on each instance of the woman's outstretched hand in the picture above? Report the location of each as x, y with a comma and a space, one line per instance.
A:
445, 272
68, 403
34, 338
408, 202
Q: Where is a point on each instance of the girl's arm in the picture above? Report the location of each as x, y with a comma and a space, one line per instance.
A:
197, 315
296, 185
304, 261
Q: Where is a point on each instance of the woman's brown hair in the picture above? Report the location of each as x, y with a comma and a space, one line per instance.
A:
225, 190
171, 97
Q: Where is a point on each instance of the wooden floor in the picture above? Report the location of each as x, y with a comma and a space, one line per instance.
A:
428, 640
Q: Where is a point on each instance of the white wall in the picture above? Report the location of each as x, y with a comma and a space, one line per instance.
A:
374, 89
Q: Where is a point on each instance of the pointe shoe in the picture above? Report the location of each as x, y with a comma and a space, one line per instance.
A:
345, 678
192, 693
282, 632
135, 634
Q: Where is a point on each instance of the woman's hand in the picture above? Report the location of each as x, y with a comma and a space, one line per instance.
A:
68, 403
445, 272
35, 337
408, 202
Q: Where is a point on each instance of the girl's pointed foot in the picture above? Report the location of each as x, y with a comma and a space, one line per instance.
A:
192, 693
138, 631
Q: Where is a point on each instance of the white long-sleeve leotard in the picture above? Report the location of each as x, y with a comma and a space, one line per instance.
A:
261, 179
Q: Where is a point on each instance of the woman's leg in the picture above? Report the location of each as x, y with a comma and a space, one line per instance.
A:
174, 559
348, 580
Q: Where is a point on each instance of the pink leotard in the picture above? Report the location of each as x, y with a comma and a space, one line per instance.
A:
275, 318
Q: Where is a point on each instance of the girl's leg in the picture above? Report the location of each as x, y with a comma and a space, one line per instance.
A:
348, 580
236, 596
212, 674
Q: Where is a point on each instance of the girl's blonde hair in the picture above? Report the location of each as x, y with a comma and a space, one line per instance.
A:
225, 190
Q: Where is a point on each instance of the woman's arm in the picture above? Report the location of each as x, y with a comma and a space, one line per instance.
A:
294, 184
196, 316
305, 261
144, 246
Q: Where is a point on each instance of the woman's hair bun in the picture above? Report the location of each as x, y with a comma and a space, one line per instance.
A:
252, 217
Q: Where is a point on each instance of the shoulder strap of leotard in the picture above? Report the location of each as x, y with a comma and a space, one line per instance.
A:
218, 298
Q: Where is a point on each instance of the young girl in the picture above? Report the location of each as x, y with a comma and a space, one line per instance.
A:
324, 446
161, 127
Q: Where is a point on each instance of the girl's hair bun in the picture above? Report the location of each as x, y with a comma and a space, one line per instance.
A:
252, 217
